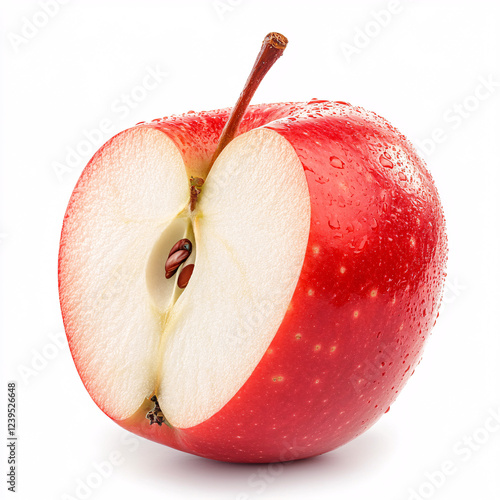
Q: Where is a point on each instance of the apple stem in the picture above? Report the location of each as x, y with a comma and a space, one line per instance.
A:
272, 48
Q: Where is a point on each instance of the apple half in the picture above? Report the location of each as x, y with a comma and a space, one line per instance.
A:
319, 249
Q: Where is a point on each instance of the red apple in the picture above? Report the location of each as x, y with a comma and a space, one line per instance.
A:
318, 243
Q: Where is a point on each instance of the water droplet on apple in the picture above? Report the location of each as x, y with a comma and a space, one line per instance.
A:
336, 162
385, 161
322, 180
334, 224
314, 100
363, 242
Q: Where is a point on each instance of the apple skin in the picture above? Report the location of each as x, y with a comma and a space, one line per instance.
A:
367, 296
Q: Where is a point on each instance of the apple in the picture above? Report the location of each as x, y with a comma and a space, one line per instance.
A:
254, 285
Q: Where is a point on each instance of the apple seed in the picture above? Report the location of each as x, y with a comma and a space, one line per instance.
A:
179, 253
185, 276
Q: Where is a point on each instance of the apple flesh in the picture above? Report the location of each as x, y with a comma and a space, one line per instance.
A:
319, 253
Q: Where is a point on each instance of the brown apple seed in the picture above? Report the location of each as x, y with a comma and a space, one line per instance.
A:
185, 276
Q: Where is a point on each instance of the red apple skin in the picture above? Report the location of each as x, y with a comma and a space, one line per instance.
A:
367, 296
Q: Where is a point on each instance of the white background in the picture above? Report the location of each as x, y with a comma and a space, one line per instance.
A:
420, 66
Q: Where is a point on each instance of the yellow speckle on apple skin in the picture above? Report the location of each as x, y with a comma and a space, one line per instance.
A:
373, 293
342, 270
310, 292
279, 378
356, 314
333, 348
315, 249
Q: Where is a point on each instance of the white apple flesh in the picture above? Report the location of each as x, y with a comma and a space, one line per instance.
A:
255, 286
318, 243
248, 244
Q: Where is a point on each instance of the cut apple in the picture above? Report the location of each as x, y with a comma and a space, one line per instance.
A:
262, 281
250, 243
118, 212
193, 348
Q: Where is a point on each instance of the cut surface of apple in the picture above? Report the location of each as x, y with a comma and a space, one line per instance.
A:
263, 281
319, 251
136, 333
